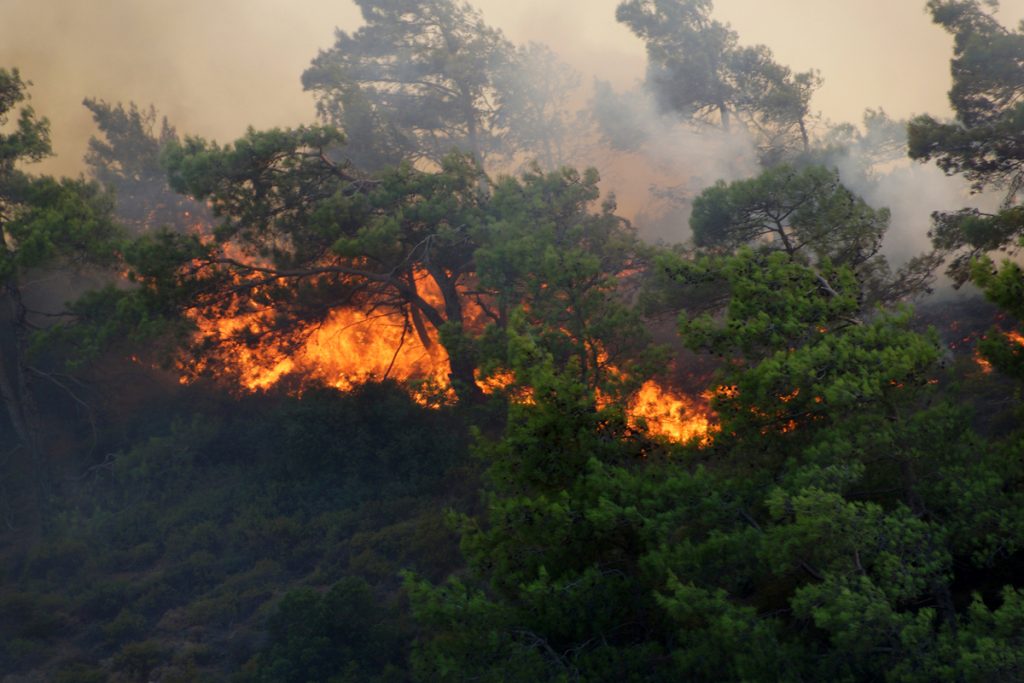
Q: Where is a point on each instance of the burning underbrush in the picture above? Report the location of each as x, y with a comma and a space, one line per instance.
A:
347, 349
351, 347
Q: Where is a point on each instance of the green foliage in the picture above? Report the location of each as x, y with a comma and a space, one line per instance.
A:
416, 82
567, 265
793, 210
46, 220
81, 673
984, 142
420, 80
302, 235
1003, 286
344, 635
835, 419
380, 422
552, 559
843, 521
811, 216
697, 69
30, 141
126, 158
879, 141
829, 531
171, 555
535, 92
51, 227
316, 237
138, 660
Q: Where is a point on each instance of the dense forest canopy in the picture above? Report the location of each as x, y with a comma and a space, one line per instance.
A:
404, 395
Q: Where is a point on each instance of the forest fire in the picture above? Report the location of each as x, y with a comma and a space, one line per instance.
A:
348, 349
351, 348
983, 363
671, 414
1015, 337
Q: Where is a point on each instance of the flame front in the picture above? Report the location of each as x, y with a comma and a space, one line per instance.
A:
352, 347
347, 349
1015, 338
673, 415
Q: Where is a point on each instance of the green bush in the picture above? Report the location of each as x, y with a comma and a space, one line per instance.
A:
342, 635
58, 560
80, 673
31, 616
125, 626
137, 660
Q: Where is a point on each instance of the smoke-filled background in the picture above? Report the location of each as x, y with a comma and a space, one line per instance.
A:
214, 68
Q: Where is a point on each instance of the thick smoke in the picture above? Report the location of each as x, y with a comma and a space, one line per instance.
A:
655, 163
215, 68
875, 165
911, 192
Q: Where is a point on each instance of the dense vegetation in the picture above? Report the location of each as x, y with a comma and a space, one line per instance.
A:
855, 513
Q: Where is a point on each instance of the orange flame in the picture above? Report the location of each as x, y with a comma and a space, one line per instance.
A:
983, 363
348, 349
1013, 336
673, 415
352, 347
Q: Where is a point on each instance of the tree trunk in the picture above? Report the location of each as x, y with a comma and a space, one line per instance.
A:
12, 403
16, 393
463, 376
420, 327
460, 357
461, 363
473, 134
723, 111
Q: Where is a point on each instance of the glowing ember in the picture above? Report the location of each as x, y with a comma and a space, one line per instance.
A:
983, 363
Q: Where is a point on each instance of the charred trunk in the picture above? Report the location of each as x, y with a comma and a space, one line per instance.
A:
463, 376
420, 327
450, 325
461, 357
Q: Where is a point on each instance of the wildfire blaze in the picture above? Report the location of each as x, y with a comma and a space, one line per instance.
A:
1013, 336
671, 414
983, 363
347, 349
352, 347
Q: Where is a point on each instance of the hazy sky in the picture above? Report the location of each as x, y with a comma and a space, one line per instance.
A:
216, 66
